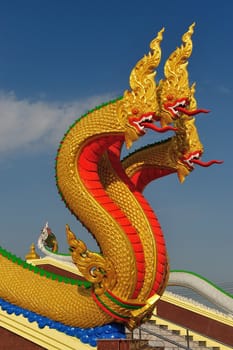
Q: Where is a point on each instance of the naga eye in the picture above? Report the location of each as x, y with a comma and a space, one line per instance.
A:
135, 111
170, 97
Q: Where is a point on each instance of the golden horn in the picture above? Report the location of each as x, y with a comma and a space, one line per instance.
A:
142, 76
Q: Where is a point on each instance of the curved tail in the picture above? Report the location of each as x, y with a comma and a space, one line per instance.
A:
203, 287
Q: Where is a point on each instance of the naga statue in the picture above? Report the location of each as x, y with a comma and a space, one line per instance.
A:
104, 192
47, 240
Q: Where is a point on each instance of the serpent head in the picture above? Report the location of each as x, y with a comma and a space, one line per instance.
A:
139, 106
187, 148
175, 95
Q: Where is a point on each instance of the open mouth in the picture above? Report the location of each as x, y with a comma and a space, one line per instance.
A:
143, 122
191, 159
180, 107
194, 158
177, 107
147, 122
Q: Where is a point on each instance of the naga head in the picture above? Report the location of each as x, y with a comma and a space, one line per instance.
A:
187, 148
47, 239
175, 96
138, 108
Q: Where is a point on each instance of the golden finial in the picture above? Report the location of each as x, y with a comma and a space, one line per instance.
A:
175, 68
31, 255
142, 77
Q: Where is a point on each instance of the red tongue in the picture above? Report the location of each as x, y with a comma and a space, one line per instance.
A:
156, 128
190, 113
206, 164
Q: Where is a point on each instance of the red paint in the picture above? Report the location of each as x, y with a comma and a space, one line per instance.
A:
171, 107
143, 177
193, 112
123, 301
91, 154
107, 311
196, 322
161, 257
134, 121
206, 164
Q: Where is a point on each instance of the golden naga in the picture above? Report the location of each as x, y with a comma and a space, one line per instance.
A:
175, 96
105, 194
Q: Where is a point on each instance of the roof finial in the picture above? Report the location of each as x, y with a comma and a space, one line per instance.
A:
31, 255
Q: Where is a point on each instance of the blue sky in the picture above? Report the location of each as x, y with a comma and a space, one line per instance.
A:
61, 58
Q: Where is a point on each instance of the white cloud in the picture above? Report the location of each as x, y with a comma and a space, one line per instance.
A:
224, 90
37, 125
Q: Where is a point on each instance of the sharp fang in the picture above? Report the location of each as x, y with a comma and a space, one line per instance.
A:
178, 104
194, 156
144, 119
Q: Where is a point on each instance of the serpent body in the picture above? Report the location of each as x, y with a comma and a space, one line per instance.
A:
105, 194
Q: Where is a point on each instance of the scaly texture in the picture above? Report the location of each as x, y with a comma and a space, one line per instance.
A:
58, 301
130, 274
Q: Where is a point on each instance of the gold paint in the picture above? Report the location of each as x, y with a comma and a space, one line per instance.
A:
115, 267
142, 96
94, 267
176, 82
31, 255
126, 200
144, 314
168, 154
